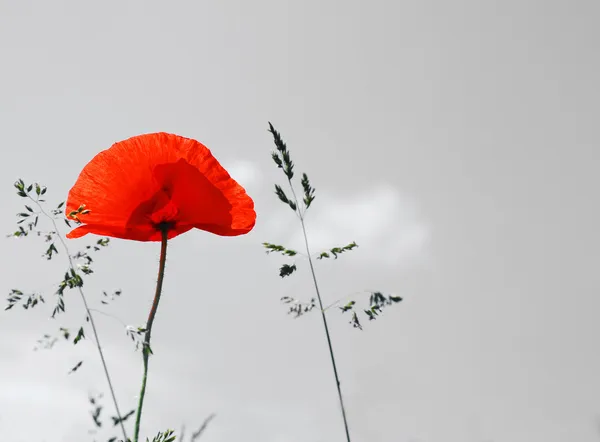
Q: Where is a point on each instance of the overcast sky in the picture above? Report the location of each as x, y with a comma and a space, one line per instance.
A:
455, 141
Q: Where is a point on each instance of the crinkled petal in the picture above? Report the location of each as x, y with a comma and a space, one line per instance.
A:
137, 184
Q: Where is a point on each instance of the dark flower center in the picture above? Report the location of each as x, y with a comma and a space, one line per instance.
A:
164, 226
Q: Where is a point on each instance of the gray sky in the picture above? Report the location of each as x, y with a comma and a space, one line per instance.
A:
456, 142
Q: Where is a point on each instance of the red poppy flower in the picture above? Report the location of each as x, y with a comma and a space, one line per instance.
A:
150, 182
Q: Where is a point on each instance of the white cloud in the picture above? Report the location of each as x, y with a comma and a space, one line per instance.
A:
245, 173
385, 224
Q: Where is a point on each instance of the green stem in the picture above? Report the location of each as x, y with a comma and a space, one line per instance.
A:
335, 372
314, 276
146, 346
91, 318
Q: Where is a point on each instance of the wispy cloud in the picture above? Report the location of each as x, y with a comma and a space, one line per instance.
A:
246, 173
386, 224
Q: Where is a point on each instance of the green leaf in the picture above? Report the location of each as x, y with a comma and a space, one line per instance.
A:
168, 436
31, 300
377, 302
79, 337
65, 332
288, 166
377, 299
103, 242
348, 306
76, 367
50, 251
309, 191
117, 421
281, 147
277, 248
287, 270
338, 250
355, 321
281, 194
283, 197
277, 159
60, 305
298, 308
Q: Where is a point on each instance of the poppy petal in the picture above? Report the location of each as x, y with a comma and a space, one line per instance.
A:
137, 184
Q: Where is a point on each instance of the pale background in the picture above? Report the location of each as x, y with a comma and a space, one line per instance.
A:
455, 141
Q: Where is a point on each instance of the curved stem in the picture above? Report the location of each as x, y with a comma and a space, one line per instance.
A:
146, 350
312, 269
335, 372
89, 315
